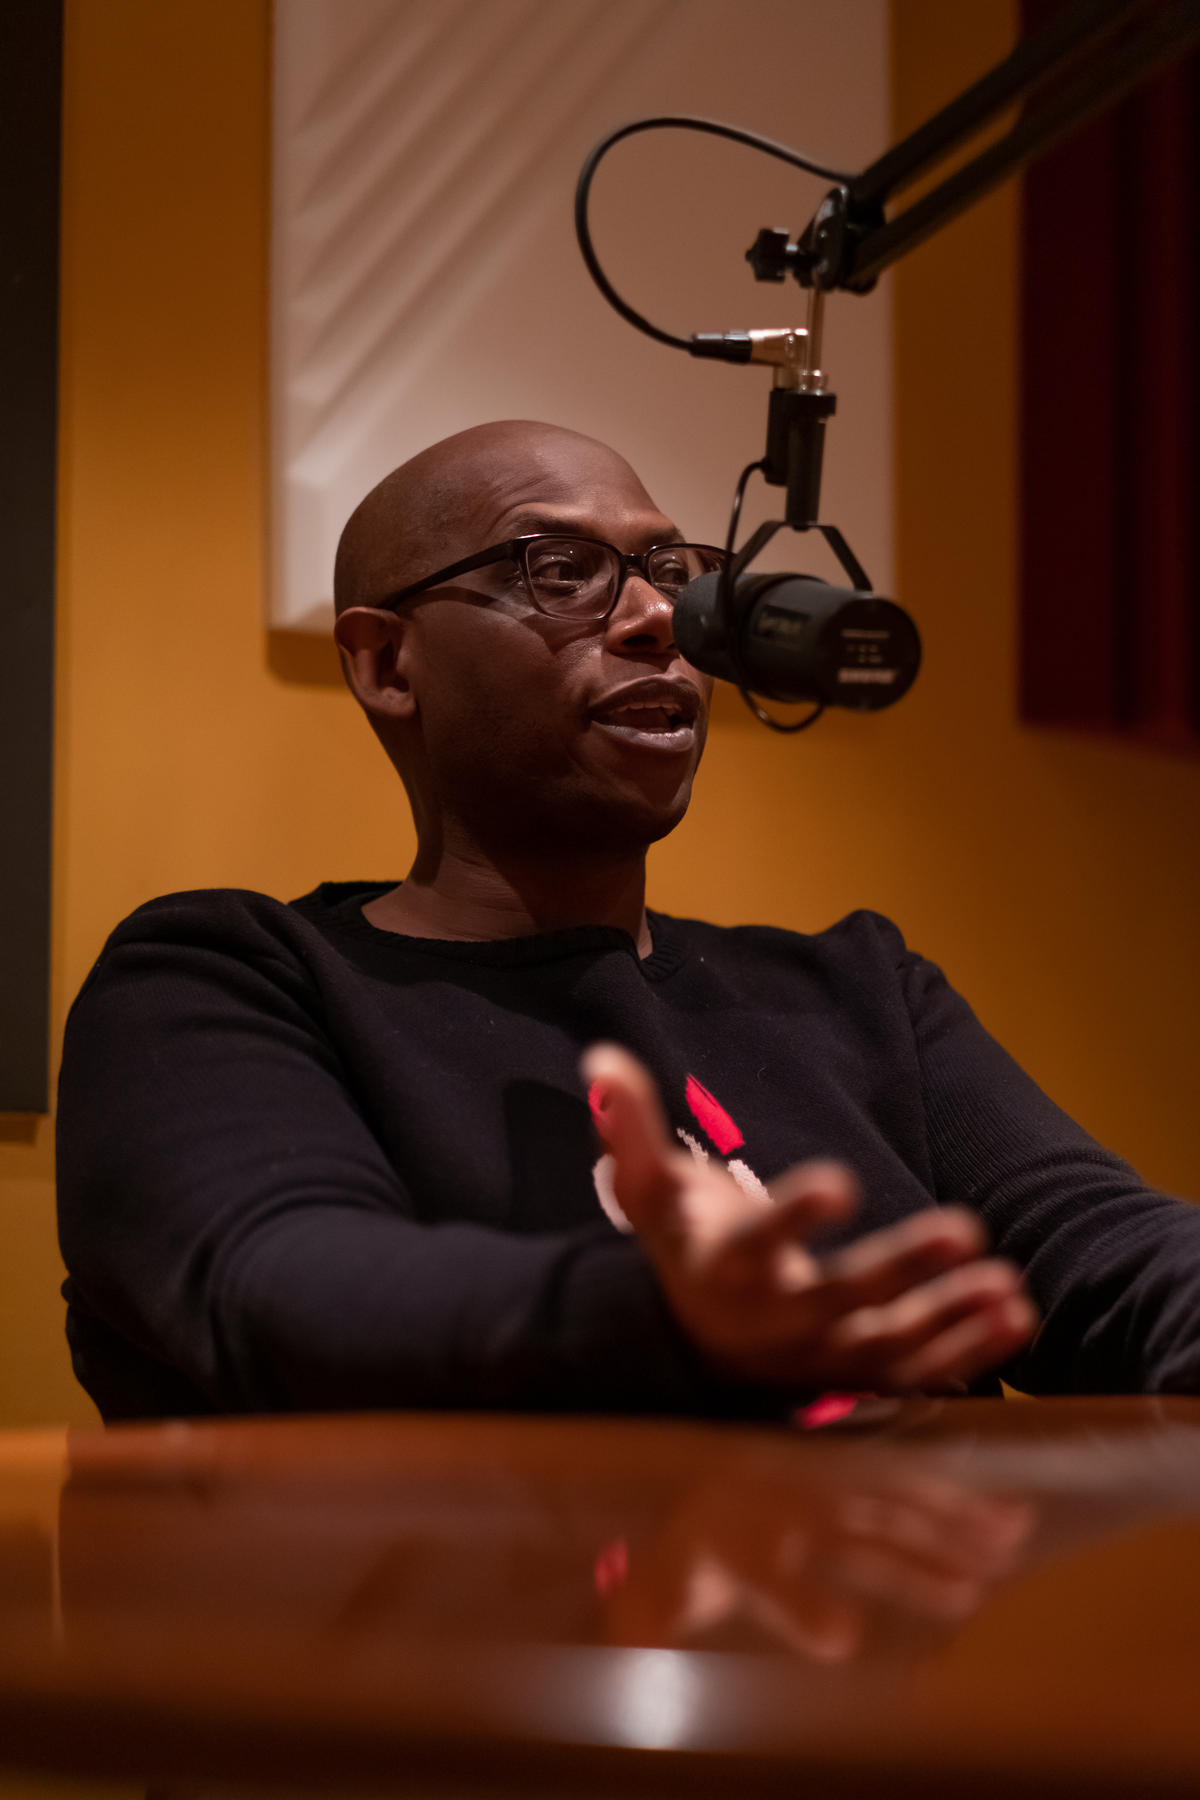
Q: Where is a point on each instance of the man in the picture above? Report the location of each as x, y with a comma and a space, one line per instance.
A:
339, 1153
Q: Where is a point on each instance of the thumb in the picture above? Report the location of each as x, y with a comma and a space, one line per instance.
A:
629, 1117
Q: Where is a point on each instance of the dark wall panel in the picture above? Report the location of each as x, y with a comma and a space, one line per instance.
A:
1110, 464
30, 110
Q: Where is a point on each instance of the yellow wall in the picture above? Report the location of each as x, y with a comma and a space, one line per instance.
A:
1054, 876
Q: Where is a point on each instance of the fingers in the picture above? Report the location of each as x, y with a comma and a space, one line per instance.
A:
945, 1330
888, 1263
629, 1117
828, 1189
808, 1199
969, 1348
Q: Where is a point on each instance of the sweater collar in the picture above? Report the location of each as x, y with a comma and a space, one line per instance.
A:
340, 903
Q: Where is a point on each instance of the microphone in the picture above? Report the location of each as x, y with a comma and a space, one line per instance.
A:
796, 638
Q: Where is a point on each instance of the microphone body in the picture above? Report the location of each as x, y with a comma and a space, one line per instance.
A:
796, 638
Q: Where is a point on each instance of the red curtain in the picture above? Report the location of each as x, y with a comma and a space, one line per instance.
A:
1110, 437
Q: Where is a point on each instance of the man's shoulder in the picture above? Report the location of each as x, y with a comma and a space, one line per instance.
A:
209, 911
239, 925
204, 915
862, 934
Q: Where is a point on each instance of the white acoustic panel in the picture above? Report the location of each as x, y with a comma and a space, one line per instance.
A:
424, 269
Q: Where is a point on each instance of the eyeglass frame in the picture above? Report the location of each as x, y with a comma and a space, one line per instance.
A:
516, 550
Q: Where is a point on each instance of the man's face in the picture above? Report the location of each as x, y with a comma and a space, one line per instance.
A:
535, 731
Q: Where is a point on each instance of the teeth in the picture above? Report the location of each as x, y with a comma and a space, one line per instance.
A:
644, 718
650, 714
645, 706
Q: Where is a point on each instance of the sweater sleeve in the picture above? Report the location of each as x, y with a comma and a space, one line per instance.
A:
227, 1215
1112, 1266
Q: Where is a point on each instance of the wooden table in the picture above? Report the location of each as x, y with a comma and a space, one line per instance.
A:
935, 1598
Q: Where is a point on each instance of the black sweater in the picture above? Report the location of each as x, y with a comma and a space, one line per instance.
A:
304, 1163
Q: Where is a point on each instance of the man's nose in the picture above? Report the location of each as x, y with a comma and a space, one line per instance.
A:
642, 621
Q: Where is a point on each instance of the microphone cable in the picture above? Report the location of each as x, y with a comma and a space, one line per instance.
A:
672, 122
783, 153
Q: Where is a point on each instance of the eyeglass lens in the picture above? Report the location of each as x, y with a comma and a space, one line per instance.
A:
579, 575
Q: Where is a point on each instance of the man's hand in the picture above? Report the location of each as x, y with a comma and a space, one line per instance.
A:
915, 1307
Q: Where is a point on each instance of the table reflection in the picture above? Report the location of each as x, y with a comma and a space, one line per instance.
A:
842, 1546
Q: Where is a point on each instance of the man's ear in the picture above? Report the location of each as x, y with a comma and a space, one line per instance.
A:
374, 647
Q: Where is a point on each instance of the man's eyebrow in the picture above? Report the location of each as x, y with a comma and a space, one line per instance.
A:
527, 524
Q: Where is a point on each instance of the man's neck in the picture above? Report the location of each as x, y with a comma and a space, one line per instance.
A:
472, 898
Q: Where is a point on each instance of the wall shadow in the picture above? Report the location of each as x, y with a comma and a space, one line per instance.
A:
19, 1128
306, 657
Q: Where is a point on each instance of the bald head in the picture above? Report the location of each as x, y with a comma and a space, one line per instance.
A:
434, 508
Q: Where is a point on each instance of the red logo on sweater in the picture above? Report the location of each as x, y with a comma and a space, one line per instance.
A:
712, 1118
717, 1126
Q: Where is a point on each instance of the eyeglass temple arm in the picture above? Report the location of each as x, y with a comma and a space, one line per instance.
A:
497, 553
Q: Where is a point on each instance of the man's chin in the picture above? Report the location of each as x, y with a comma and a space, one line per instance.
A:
634, 819
607, 824
597, 806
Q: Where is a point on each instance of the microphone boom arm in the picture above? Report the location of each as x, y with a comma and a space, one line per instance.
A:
1081, 62
1089, 55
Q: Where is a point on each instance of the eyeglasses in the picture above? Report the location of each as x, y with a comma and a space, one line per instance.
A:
578, 577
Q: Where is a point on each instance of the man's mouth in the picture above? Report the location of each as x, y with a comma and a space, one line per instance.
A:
663, 720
